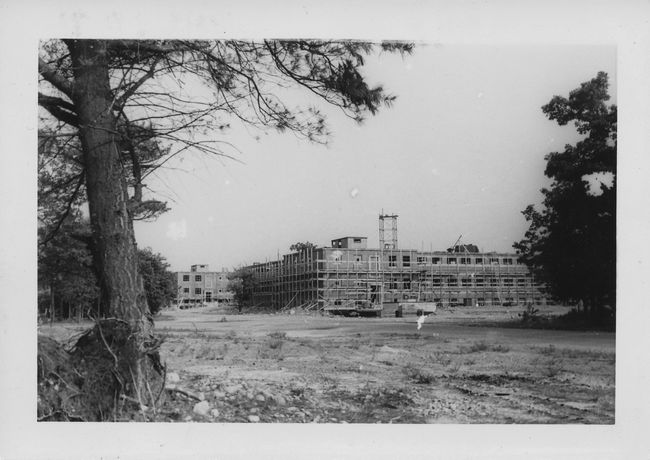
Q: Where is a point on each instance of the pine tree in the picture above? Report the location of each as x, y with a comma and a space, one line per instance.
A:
571, 241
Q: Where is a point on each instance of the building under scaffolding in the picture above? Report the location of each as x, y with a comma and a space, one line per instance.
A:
348, 271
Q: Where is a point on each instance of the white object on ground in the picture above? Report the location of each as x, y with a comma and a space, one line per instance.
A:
201, 408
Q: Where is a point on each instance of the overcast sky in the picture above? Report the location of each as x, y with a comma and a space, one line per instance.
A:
461, 152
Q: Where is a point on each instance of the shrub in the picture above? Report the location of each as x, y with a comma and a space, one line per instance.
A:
418, 375
278, 335
530, 314
500, 348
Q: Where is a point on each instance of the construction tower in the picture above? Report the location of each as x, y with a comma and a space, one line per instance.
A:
387, 233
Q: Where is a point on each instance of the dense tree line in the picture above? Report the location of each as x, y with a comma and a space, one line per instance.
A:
68, 285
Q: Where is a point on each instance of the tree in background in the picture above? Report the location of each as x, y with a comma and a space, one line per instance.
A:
302, 247
241, 283
67, 282
159, 282
571, 242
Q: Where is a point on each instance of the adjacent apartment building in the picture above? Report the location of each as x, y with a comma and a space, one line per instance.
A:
200, 285
350, 271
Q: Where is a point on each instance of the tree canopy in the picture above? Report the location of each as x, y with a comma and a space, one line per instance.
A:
571, 241
302, 246
170, 96
159, 282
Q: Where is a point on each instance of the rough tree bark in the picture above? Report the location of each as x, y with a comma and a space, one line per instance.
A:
114, 244
114, 247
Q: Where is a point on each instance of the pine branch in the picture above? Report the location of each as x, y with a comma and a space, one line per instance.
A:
66, 213
55, 78
60, 109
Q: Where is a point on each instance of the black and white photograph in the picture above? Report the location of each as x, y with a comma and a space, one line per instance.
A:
370, 240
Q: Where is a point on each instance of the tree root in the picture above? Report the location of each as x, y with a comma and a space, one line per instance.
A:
112, 372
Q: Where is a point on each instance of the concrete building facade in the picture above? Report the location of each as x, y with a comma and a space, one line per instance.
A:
200, 285
349, 271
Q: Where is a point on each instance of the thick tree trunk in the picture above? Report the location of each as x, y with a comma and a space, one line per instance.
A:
122, 291
122, 294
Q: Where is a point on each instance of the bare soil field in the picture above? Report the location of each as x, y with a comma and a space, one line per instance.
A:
302, 368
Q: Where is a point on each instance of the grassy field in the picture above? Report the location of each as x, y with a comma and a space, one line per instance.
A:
459, 368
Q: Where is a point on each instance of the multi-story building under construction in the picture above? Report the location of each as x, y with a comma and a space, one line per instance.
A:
349, 271
201, 286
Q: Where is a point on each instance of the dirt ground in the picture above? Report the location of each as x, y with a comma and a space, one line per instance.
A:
302, 368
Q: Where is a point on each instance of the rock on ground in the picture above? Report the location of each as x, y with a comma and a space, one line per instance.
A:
201, 408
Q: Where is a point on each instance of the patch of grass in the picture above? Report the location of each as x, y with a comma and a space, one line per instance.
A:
418, 375
570, 321
440, 358
454, 367
222, 350
548, 350
232, 336
552, 368
482, 345
590, 354
355, 345
210, 352
474, 348
276, 340
500, 348
271, 349
183, 349
277, 335
478, 347
552, 350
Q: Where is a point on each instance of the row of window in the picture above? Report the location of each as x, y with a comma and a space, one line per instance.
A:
422, 260
197, 291
480, 301
480, 281
197, 278
406, 262
438, 281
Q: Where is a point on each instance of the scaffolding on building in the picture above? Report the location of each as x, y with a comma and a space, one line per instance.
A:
389, 241
316, 278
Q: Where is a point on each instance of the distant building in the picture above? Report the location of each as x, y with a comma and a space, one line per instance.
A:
350, 271
200, 285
